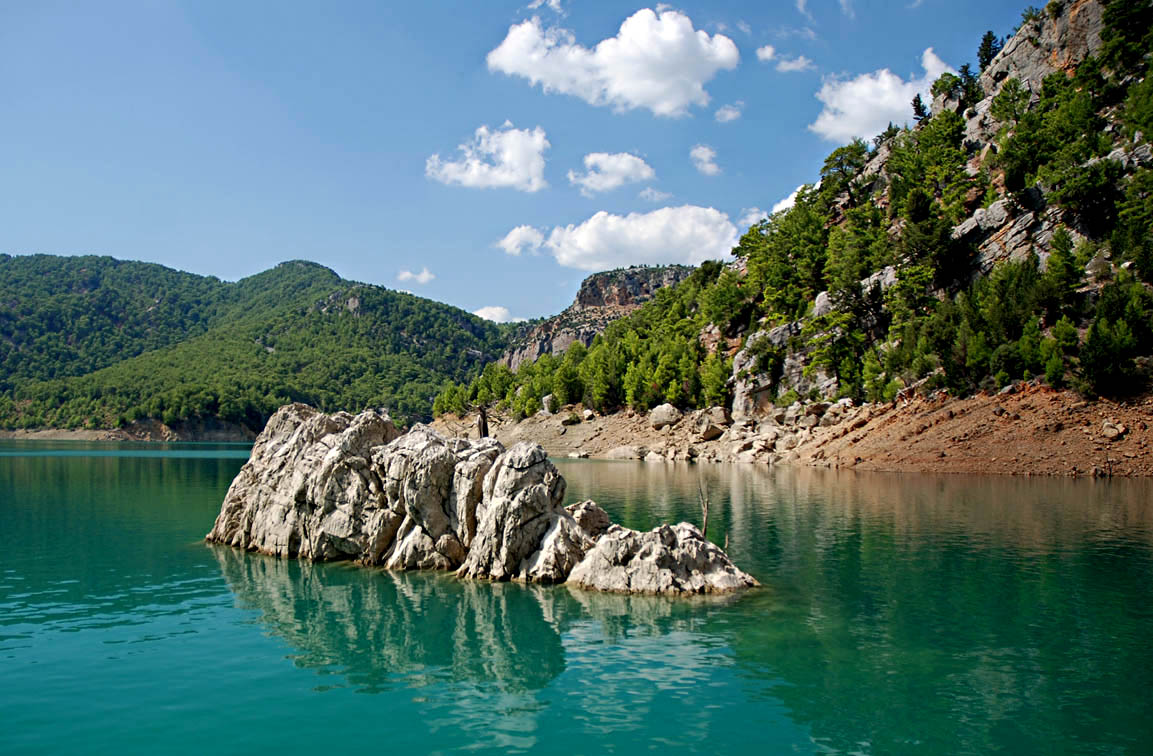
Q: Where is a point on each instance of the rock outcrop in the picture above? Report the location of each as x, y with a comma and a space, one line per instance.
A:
339, 487
602, 298
670, 559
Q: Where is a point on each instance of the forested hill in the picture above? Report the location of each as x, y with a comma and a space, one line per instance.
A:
98, 342
1003, 235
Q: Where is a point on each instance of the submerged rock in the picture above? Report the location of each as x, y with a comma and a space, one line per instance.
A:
353, 488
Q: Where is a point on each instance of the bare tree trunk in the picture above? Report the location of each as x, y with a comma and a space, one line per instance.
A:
703, 495
482, 422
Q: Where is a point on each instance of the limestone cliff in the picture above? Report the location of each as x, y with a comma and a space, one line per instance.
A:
1010, 226
602, 298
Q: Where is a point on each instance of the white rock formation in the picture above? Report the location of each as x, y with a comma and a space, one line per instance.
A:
673, 559
342, 487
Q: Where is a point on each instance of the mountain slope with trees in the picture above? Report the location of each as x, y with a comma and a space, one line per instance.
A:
1004, 236
100, 343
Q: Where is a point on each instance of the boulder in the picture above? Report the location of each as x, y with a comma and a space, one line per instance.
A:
593, 520
664, 415
670, 559
523, 500
822, 305
626, 452
308, 489
711, 423
1113, 431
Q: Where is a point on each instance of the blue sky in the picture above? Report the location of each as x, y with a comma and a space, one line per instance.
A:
495, 152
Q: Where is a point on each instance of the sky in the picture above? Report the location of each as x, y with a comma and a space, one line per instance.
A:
488, 154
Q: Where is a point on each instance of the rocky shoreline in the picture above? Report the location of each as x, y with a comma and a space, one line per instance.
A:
206, 431
1026, 429
339, 487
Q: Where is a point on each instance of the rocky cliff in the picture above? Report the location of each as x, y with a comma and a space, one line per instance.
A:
602, 298
1010, 226
339, 487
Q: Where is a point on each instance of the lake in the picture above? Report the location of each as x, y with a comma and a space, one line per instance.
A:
898, 614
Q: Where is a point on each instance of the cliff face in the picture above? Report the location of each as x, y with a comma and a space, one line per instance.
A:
1012, 227
602, 298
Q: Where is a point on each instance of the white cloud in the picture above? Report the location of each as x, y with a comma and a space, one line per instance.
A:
496, 314
865, 105
803, 32
751, 215
727, 113
520, 239
687, 234
605, 172
657, 61
787, 202
496, 158
553, 5
704, 158
794, 65
654, 195
847, 8
744, 27
423, 277
766, 53
802, 8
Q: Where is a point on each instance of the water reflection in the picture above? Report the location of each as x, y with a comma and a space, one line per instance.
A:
900, 614
381, 629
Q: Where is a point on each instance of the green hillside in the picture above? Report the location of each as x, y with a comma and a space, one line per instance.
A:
1009, 231
97, 342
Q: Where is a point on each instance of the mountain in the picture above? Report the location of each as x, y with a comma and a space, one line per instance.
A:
1004, 236
100, 343
601, 299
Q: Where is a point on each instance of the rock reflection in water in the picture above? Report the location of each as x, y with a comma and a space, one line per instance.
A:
380, 629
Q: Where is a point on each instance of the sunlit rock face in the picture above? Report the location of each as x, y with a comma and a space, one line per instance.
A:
341, 487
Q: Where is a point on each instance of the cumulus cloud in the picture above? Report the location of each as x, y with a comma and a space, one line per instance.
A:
787, 202
607, 171
657, 61
653, 195
423, 277
496, 314
521, 239
766, 53
864, 106
496, 158
553, 5
704, 158
727, 113
794, 65
687, 235
751, 215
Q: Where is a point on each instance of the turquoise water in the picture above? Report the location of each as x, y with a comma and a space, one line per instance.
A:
899, 614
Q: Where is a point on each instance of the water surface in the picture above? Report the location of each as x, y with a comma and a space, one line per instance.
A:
899, 614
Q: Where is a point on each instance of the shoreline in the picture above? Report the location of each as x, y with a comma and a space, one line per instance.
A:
150, 431
1027, 430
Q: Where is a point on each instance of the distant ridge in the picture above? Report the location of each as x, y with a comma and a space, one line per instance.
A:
96, 342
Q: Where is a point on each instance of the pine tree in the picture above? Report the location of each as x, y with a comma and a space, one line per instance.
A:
990, 46
920, 112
